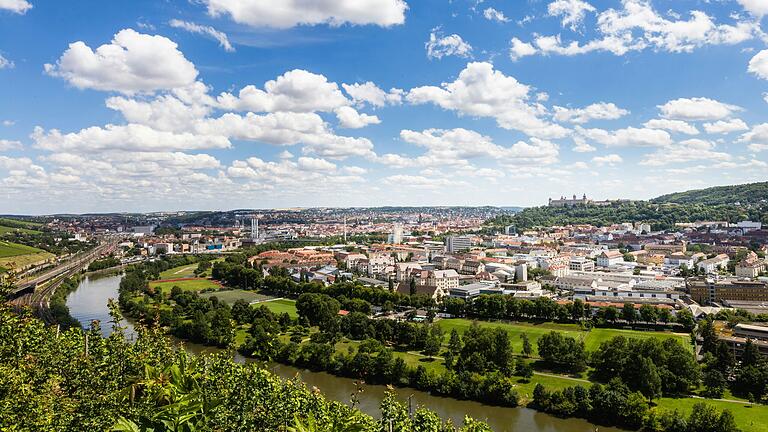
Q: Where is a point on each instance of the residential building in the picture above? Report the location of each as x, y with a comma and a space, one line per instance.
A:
750, 267
580, 263
712, 265
609, 258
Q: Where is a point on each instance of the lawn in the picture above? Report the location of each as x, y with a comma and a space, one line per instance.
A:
7, 229
13, 255
750, 418
592, 339
231, 296
185, 271
280, 306
185, 285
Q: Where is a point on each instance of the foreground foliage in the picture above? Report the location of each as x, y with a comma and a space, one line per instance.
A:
76, 381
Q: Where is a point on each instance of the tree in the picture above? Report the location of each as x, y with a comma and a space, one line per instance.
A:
650, 386
685, 318
527, 348
714, 384
412, 287
628, 313
432, 346
563, 351
318, 309
611, 314
648, 313
454, 343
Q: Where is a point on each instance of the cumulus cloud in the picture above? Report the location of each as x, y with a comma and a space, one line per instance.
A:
519, 49
581, 145
678, 126
439, 46
9, 145
296, 91
757, 138
758, 8
725, 126
638, 26
628, 137
351, 119
571, 11
315, 164
291, 13
685, 151
481, 91
611, 159
16, 6
759, 64
370, 93
5, 63
132, 63
204, 30
698, 108
597, 111
495, 15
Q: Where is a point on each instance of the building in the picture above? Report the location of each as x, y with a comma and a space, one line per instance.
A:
665, 249
378, 262
397, 234
706, 290
758, 334
435, 283
581, 263
750, 267
557, 265
565, 202
679, 259
609, 258
455, 244
712, 265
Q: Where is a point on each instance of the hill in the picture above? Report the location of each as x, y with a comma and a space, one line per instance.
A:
744, 194
725, 203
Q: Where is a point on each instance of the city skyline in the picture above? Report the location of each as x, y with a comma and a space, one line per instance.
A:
220, 104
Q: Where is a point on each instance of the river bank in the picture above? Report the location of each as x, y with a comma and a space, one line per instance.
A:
89, 302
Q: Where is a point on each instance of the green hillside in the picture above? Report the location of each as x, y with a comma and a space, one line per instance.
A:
751, 193
718, 203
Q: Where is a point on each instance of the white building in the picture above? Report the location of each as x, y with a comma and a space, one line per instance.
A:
609, 258
580, 263
714, 264
457, 243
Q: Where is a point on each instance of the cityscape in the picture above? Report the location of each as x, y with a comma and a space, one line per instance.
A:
384, 215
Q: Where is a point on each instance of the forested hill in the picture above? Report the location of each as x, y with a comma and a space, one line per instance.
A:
751, 193
726, 203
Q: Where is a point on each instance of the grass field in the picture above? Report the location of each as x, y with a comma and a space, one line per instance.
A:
185, 285
592, 339
6, 229
280, 306
186, 271
231, 296
13, 255
750, 418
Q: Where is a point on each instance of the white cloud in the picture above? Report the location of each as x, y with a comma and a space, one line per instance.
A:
758, 8
439, 46
351, 119
132, 63
204, 30
519, 49
296, 91
678, 126
481, 91
611, 160
685, 151
370, 93
596, 111
494, 15
724, 127
572, 11
637, 26
314, 164
15, 6
5, 63
291, 13
581, 145
132, 137
6, 145
420, 182
285, 154
757, 138
629, 137
698, 108
8, 122
759, 64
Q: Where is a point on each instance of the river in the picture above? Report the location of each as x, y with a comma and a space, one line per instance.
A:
89, 302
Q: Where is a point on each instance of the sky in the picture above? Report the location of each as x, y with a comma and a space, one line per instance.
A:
156, 105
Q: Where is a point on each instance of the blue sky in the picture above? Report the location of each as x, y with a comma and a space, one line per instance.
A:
218, 104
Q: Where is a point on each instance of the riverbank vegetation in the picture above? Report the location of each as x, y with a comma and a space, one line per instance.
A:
75, 381
481, 363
